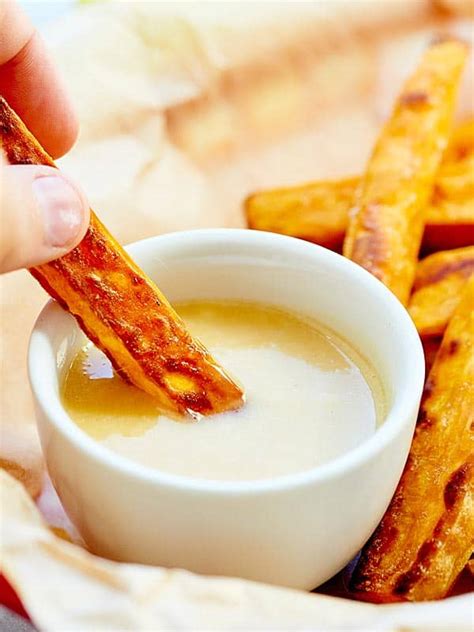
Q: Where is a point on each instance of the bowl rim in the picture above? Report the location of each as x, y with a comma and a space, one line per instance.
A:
398, 415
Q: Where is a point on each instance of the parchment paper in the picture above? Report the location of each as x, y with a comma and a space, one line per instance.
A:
185, 109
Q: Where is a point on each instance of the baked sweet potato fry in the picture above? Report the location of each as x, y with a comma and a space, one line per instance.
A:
319, 211
439, 283
122, 311
387, 222
431, 347
450, 219
427, 534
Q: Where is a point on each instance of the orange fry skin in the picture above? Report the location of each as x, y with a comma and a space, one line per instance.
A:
319, 211
439, 283
427, 534
431, 347
450, 218
122, 311
387, 222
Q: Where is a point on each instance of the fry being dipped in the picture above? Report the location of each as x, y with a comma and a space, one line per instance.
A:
427, 534
122, 311
388, 219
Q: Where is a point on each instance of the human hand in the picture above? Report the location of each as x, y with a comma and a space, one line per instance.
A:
43, 214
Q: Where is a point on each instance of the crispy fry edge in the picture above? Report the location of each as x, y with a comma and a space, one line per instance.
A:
387, 222
427, 534
122, 311
439, 284
319, 211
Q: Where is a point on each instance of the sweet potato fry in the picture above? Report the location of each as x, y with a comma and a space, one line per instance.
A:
387, 223
431, 347
316, 212
427, 534
439, 283
450, 222
122, 311
319, 211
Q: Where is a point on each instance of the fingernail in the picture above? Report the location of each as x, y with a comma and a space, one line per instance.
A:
62, 210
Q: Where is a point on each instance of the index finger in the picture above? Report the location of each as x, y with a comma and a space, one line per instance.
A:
31, 84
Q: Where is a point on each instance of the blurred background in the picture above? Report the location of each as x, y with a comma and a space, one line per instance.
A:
187, 107
42, 12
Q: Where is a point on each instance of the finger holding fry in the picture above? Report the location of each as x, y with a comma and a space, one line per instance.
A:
415, 195
122, 311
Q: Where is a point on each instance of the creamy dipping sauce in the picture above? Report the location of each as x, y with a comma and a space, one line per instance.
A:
310, 398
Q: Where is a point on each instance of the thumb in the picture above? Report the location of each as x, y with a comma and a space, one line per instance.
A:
43, 215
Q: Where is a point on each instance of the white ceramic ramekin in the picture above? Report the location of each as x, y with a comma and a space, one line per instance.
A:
296, 530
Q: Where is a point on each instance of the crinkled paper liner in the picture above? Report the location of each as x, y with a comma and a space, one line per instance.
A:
65, 588
220, 100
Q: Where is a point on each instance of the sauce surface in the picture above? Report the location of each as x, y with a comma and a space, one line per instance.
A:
310, 398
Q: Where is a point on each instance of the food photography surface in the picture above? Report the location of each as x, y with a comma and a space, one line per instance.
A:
248, 403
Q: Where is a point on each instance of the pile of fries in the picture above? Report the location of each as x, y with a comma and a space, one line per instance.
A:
417, 192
